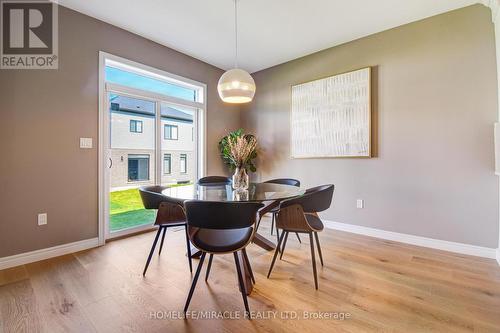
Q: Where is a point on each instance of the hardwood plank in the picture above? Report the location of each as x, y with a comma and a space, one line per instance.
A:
59, 309
18, 308
79, 280
109, 316
13, 274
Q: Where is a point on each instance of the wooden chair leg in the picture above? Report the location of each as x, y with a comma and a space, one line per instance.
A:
319, 248
258, 223
193, 284
284, 244
298, 237
244, 251
313, 260
188, 245
162, 239
209, 266
152, 251
242, 285
275, 255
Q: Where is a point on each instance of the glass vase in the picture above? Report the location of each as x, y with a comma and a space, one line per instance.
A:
240, 179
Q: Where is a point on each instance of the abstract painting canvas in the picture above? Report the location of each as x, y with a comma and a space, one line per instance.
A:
331, 117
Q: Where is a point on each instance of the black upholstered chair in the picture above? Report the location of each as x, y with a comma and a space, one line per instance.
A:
301, 215
214, 180
170, 214
218, 228
284, 181
273, 208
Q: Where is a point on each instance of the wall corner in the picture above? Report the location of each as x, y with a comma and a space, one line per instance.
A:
494, 6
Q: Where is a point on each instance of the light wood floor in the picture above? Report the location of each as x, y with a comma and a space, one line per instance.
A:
382, 285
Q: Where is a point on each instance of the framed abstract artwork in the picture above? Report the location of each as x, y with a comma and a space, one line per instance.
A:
331, 117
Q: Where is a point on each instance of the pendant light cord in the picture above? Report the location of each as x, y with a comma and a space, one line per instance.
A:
235, 34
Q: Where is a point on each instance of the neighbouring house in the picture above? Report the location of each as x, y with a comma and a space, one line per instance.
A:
133, 143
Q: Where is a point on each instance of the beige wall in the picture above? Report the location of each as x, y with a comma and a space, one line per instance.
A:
435, 104
45, 112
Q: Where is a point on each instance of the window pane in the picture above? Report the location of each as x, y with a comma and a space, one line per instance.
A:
167, 164
134, 80
183, 163
144, 169
179, 121
133, 169
138, 167
168, 132
132, 160
135, 126
171, 132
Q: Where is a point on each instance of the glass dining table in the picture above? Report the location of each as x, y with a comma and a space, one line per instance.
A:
256, 192
268, 193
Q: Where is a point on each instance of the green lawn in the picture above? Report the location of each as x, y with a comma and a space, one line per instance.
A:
126, 210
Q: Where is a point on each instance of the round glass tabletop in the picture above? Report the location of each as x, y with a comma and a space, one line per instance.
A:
256, 192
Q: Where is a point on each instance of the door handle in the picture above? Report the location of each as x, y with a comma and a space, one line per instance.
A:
110, 163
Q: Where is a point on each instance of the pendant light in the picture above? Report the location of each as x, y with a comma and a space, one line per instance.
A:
236, 85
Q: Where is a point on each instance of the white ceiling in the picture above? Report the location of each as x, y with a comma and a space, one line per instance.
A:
270, 31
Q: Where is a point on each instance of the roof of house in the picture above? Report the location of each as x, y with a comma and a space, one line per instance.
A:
140, 106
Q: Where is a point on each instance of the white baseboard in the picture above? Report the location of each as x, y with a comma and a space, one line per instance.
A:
42, 254
472, 250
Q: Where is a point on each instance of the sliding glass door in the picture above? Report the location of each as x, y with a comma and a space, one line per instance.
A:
132, 159
153, 138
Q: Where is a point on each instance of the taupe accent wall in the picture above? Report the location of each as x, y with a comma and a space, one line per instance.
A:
45, 112
435, 102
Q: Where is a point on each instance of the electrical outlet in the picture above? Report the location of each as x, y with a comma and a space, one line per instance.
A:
86, 143
42, 219
360, 203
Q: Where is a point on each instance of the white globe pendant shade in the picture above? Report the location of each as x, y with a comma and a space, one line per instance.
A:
236, 86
